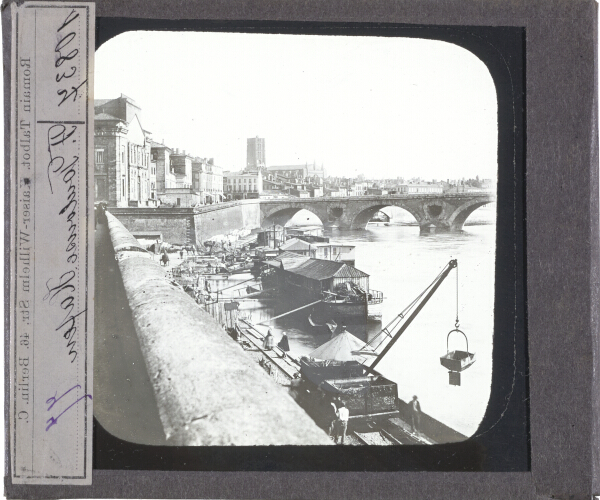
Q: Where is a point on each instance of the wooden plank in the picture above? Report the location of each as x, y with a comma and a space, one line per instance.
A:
281, 363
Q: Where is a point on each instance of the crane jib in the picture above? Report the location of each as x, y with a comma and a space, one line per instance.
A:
451, 265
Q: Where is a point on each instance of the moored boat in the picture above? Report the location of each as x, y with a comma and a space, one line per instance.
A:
342, 290
328, 327
337, 370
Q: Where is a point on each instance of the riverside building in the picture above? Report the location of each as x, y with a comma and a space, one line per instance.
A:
124, 176
242, 185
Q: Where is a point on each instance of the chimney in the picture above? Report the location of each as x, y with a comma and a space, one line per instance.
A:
183, 152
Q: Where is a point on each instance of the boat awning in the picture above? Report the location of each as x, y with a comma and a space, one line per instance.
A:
342, 347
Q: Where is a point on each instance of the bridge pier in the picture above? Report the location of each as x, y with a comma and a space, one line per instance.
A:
430, 228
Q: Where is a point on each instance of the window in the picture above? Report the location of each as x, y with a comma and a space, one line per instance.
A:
99, 155
123, 188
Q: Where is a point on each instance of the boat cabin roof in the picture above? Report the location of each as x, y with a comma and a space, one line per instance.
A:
318, 269
294, 244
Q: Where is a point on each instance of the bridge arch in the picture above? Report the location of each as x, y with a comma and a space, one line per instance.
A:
361, 218
457, 219
282, 215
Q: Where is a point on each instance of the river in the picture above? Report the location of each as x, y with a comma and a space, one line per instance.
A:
402, 263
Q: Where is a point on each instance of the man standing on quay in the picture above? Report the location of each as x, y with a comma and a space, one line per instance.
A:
415, 414
342, 424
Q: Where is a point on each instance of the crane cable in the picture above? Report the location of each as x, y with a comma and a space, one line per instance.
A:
456, 324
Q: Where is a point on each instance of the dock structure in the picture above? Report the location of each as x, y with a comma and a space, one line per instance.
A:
284, 363
208, 391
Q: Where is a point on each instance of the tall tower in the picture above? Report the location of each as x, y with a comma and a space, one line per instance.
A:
255, 154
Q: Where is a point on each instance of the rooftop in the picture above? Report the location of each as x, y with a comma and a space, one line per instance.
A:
318, 269
294, 244
106, 117
287, 167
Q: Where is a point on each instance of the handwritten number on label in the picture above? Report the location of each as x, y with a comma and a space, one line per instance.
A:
70, 18
64, 75
61, 59
53, 400
73, 92
63, 44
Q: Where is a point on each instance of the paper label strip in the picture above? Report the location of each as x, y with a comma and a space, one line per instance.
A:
51, 247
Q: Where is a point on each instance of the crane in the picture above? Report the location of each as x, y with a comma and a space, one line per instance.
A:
417, 305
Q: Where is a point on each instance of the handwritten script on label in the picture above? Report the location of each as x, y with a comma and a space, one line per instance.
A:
53, 400
66, 300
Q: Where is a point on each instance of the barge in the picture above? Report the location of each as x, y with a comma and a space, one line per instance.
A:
341, 290
337, 370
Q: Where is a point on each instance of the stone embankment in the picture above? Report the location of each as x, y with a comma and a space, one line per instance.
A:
208, 390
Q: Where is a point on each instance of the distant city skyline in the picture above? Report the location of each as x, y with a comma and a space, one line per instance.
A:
381, 107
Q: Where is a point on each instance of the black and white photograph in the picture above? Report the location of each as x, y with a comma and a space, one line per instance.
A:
295, 239
305, 249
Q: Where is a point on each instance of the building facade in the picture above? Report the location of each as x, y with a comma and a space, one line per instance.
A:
181, 164
131, 170
315, 170
291, 172
124, 175
242, 185
421, 188
359, 189
161, 156
207, 180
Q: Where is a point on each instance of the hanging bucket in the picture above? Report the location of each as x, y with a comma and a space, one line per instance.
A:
457, 361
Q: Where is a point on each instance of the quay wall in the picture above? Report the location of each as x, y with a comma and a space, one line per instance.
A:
188, 225
208, 390
222, 218
175, 224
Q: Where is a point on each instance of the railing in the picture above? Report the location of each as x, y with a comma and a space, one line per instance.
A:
375, 297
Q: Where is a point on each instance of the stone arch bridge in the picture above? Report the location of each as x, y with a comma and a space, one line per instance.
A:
433, 212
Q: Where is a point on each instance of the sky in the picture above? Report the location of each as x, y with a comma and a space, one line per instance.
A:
382, 107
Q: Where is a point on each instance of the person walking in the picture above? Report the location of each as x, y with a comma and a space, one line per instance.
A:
268, 341
284, 343
333, 417
415, 414
342, 422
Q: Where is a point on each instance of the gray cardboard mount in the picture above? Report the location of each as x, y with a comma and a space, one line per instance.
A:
562, 244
